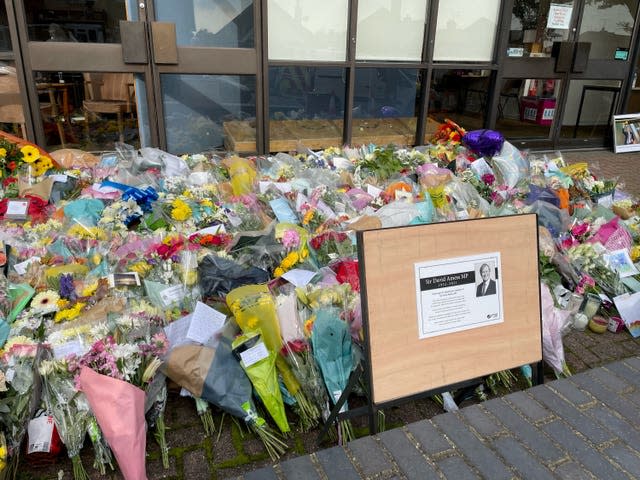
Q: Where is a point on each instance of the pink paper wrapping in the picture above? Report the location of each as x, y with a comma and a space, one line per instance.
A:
553, 323
119, 409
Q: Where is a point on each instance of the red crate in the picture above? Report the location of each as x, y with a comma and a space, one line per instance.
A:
537, 110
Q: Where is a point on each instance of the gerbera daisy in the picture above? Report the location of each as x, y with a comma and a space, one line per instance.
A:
30, 153
45, 302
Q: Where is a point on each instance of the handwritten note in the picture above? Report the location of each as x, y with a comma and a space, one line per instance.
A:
176, 331
205, 322
254, 354
298, 276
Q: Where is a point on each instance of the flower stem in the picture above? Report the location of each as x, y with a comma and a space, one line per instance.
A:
79, 473
161, 439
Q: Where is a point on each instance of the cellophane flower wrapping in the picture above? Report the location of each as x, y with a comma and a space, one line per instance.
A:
554, 323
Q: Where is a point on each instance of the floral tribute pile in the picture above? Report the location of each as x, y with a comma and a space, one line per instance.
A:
236, 279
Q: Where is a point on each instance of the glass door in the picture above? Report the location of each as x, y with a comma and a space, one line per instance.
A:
142, 73
566, 65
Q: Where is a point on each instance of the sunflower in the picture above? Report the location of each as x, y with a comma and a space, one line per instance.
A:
30, 153
45, 302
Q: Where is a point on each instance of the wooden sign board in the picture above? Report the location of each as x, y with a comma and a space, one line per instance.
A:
428, 324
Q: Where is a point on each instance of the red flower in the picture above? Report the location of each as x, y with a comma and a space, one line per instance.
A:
12, 165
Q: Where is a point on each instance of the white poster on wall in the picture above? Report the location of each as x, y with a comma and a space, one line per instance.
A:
559, 16
458, 294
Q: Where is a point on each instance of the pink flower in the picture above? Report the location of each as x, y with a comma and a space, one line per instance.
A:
580, 229
291, 239
488, 179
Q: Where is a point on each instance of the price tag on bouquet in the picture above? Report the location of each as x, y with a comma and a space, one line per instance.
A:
40, 432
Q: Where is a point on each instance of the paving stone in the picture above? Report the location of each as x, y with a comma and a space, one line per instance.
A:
570, 392
455, 468
485, 460
529, 407
620, 404
525, 432
626, 372
520, 459
155, 469
633, 362
480, 421
571, 415
300, 468
336, 464
618, 426
572, 471
582, 452
625, 457
369, 455
610, 381
406, 455
430, 439
266, 473
195, 464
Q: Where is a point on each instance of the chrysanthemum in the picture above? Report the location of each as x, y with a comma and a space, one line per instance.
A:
45, 302
30, 153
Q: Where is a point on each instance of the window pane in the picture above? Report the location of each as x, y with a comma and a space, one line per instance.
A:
526, 107
73, 21
198, 106
460, 95
608, 27
308, 30
306, 105
463, 36
529, 35
589, 108
210, 23
399, 22
385, 102
5, 37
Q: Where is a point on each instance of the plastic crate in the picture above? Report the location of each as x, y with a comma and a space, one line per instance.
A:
537, 110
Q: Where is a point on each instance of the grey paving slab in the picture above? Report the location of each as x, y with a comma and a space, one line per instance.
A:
266, 473
626, 458
430, 438
571, 415
480, 421
529, 435
369, 456
572, 471
582, 452
612, 382
620, 404
410, 460
633, 362
618, 426
478, 454
529, 407
625, 372
299, 468
521, 460
336, 464
456, 469
570, 392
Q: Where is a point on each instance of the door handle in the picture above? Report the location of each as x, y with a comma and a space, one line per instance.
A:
134, 42
165, 45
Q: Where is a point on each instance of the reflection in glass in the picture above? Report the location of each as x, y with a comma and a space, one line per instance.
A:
590, 105
73, 21
198, 109
529, 35
307, 30
11, 111
460, 95
210, 23
5, 37
608, 27
399, 22
526, 107
465, 36
90, 110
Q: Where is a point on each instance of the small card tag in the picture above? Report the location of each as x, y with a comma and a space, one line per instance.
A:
40, 430
172, 294
17, 209
74, 347
254, 354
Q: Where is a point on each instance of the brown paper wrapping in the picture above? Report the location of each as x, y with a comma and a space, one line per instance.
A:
73, 158
41, 189
188, 366
366, 223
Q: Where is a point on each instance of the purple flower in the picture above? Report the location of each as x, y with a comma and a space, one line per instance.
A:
67, 288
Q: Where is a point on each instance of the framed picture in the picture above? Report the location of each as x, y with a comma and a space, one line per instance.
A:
626, 133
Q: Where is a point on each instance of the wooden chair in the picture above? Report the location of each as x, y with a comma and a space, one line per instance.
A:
109, 93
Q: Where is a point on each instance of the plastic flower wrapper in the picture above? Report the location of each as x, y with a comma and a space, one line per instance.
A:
218, 275
554, 322
331, 344
254, 309
331, 245
242, 173
17, 365
214, 375
260, 366
70, 410
510, 165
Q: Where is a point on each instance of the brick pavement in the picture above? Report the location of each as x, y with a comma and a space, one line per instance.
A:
583, 427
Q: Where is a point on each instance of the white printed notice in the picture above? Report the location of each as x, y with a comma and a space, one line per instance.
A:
559, 16
205, 321
456, 294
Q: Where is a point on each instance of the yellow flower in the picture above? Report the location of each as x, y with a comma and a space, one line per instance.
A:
278, 272
181, 210
142, 268
252, 323
307, 217
90, 289
308, 326
3, 152
635, 253
69, 313
304, 253
30, 153
206, 203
